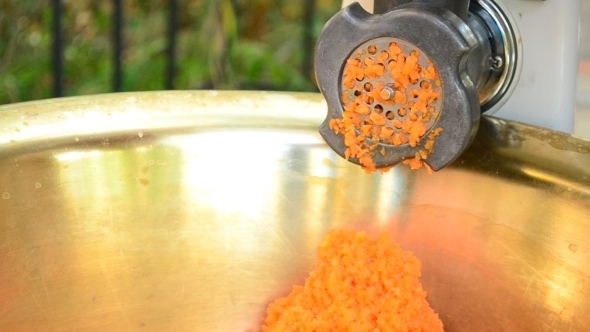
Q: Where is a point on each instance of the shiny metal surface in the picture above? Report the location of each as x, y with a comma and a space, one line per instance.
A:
186, 211
506, 61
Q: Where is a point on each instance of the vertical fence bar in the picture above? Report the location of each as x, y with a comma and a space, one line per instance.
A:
118, 45
172, 38
57, 49
308, 16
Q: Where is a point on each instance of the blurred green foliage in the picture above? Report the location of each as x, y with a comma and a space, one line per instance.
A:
222, 44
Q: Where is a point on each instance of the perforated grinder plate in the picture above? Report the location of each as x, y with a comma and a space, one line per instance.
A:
392, 84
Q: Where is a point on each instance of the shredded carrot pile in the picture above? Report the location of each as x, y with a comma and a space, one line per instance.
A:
364, 122
359, 284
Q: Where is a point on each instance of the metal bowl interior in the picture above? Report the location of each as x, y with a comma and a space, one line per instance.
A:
191, 211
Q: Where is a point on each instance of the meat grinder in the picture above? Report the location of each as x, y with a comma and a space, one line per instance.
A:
512, 59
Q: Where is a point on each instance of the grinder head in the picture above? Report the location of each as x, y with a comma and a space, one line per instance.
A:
397, 86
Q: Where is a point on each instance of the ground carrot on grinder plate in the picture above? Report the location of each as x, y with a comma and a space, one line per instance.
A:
359, 284
388, 98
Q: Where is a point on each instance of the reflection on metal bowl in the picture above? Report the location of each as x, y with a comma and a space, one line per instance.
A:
190, 211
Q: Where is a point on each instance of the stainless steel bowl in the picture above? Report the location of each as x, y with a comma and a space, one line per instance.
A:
190, 211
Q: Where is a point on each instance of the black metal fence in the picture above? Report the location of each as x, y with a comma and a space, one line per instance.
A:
309, 8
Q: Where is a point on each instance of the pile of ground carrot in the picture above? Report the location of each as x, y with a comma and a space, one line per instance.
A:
388, 113
359, 284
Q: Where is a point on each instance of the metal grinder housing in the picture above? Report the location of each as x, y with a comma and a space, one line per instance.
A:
477, 49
